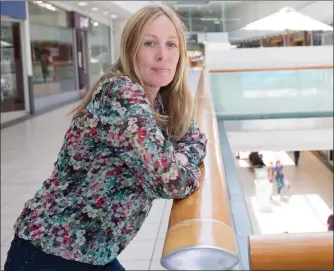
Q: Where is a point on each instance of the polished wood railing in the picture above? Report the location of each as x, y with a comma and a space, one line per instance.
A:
200, 234
272, 69
292, 251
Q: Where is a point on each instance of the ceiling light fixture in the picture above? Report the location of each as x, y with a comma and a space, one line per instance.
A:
113, 16
82, 4
45, 5
95, 9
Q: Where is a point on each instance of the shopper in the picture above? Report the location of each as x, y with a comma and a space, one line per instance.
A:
132, 140
256, 159
296, 155
271, 176
330, 223
279, 176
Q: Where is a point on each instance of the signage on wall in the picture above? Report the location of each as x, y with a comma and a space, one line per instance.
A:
81, 22
13, 9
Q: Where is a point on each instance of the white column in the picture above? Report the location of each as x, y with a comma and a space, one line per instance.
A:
112, 46
118, 26
26, 58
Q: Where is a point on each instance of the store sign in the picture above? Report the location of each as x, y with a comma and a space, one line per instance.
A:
13, 9
81, 22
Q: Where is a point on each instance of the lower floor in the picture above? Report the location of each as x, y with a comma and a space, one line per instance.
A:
304, 207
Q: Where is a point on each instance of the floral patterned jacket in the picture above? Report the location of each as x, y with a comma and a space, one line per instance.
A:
113, 163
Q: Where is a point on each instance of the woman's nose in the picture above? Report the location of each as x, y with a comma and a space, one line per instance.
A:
161, 54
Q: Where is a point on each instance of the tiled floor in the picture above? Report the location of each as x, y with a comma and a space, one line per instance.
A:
304, 207
28, 151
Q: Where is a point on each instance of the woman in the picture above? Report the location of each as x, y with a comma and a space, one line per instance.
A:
279, 176
132, 140
271, 175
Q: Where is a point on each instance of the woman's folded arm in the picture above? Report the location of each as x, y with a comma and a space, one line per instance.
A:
127, 124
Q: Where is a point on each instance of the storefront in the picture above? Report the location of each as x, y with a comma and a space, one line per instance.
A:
13, 99
54, 78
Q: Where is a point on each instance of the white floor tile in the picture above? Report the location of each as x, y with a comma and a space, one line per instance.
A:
156, 212
138, 251
149, 231
155, 265
8, 240
6, 234
163, 230
28, 176
4, 251
7, 221
10, 191
14, 207
136, 265
159, 246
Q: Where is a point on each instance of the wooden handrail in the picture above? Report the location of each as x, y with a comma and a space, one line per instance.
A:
271, 69
200, 234
291, 251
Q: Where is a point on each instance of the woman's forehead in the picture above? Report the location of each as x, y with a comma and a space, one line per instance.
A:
161, 26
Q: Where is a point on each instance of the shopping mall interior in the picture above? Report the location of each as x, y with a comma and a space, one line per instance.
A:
261, 74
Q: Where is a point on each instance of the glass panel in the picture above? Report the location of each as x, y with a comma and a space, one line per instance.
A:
99, 51
12, 93
267, 93
203, 16
52, 60
47, 14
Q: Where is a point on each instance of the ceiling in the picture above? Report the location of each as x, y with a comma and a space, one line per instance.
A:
101, 11
203, 16
203, 13
201, 8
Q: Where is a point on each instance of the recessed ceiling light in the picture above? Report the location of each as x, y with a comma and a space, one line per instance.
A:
95, 23
113, 16
82, 4
105, 13
95, 9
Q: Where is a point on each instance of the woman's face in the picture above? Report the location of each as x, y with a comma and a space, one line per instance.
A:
159, 53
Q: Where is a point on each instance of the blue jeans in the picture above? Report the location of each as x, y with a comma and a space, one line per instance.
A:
23, 256
280, 183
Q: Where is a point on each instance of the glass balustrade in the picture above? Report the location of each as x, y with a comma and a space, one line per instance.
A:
273, 94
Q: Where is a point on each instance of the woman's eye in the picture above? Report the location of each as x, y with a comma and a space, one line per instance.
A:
149, 43
171, 44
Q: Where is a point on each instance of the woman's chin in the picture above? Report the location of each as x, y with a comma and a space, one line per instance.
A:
161, 83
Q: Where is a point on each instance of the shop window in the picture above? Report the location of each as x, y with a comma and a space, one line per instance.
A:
12, 88
52, 60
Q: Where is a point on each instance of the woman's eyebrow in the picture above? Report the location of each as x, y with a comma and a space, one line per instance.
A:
154, 36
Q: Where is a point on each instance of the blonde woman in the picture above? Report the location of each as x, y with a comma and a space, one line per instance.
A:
132, 140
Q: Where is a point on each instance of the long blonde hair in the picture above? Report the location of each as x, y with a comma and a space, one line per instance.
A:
177, 97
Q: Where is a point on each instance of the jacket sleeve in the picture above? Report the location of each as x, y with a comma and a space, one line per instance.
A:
193, 144
127, 125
